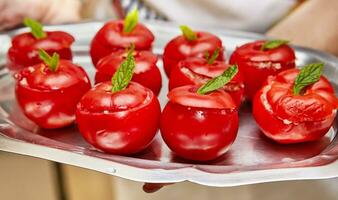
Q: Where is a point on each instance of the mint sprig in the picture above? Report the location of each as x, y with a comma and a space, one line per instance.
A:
188, 33
214, 56
308, 75
272, 44
124, 73
36, 28
130, 21
219, 81
52, 62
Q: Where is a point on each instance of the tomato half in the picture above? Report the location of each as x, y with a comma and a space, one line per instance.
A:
24, 49
256, 64
199, 127
180, 48
111, 38
288, 118
197, 71
146, 71
49, 98
123, 122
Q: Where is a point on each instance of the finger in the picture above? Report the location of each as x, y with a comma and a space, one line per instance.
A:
3, 5
153, 187
10, 20
2, 11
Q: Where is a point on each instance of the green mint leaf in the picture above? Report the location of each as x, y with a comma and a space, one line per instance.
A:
188, 33
130, 21
214, 56
36, 28
52, 62
124, 73
272, 44
308, 75
219, 81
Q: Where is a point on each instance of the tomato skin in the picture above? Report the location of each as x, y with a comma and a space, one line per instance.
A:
111, 38
196, 71
256, 65
180, 48
24, 50
146, 71
111, 123
198, 133
49, 98
287, 118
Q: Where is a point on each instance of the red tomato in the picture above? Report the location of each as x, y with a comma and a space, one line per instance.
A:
199, 127
180, 48
146, 72
123, 122
111, 38
49, 98
197, 71
256, 64
288, 118
24, 49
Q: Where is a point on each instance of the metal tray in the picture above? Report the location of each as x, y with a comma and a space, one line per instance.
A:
252, 158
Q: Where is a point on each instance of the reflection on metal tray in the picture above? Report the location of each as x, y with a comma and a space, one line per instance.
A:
252, 158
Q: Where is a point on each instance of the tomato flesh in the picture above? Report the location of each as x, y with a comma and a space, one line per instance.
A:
196, 71
123, 122
256, 64
111, 38
49, 98
146, 71
199, 133
288, 118
24, 50
180, 48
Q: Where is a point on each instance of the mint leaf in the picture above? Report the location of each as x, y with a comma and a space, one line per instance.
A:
219, 81
308, 75
130, 21
214, 56
36, 28
272, 44
52, 62
188, 33
124, 73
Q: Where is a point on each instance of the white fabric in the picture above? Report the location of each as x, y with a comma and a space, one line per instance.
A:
250, 15
12, 12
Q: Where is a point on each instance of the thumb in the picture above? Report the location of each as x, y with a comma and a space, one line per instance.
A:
153, 187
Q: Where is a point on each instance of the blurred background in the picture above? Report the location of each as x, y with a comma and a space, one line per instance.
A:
34, 179
311, 23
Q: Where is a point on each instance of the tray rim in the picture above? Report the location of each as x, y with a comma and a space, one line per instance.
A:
169, 176
189, 173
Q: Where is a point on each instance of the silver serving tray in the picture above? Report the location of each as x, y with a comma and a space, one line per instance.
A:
252, 158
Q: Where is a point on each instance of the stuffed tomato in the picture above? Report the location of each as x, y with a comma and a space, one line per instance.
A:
120, 34
190, 44
48, 92
198, 71
146, 71
24, 51
296, 105
119, 117
200, 122
260, 59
